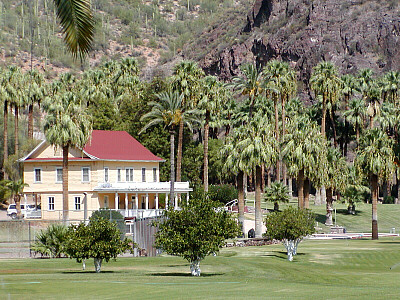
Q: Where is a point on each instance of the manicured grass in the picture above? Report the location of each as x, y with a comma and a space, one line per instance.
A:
388, 216
339, 269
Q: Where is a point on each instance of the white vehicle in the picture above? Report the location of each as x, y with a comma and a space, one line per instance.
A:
12, 210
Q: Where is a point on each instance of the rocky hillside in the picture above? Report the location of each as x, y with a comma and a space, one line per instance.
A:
354, 34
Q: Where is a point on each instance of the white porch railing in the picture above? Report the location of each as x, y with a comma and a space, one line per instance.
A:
140, 213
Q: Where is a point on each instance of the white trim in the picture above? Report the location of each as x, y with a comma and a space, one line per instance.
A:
33, 151
34, 174
88, 167
59, 168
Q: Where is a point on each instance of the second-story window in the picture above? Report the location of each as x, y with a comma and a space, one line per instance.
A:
59, 175
119, 176
143, 174
38, 175
105, 174
129, 174
85, 174
155, 174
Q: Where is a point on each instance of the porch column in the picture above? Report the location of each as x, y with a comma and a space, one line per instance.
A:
116, 204
137, 201
156, 199
166, 201
126, 203
147, 201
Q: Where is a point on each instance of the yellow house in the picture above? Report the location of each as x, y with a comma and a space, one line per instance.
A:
113, 171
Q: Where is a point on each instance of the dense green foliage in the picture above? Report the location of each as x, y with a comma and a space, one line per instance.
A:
277, 192
222, 193
50, 242
112, 216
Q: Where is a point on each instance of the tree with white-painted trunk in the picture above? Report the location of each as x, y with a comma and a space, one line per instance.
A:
290, 226
199, 229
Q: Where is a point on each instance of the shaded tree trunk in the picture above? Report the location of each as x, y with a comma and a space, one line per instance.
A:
268, 177
279, 162
329, 209
172, 170
206, 131
323, 121
300, 188
30, 121
290, 187
5, 138
17, 200
97, 264
374, 191
65, 184
306, 203
240, 178
179, 153
333, 128
16, 144
317, 196
258, 213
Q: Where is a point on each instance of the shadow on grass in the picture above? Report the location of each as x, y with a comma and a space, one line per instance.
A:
181, 274
384, 242
87, 272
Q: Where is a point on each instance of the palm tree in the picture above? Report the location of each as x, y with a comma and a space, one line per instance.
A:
355, 115
16, 101
348, 90
169, 112
391, 86
325, 82
213, 97
336, 178
257, 147
304, 151
277, 192
66, 125
35, 93
365, 81
375, 159
77, 25
16, 188
186, 81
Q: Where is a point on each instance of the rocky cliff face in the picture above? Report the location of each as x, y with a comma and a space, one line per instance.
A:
354, 34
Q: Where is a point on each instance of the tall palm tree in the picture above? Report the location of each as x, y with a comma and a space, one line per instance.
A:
391, 86
186, 80
325, 82
66, 125
304, 151
336, 178
16, 188
16, 101
355, 115
35, 93
212, 100
257, 147
375, 158
349, 88
169, 112
364, 81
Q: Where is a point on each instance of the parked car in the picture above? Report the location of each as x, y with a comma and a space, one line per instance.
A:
12, 210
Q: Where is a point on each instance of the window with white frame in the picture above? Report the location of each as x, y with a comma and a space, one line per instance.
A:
59, 175
85, 174
38, 175
51, 203
155, 174
77, 203
143, 174
106, 203
129, 174
105, 174
119, 175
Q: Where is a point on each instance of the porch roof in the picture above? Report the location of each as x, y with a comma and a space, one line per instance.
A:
146, 187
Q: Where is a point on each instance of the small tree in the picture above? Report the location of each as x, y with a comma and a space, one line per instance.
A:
194, 232
278, 192
111, 215
290, 226
50, 241
99, 239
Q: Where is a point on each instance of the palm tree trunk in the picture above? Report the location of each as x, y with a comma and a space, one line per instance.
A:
179, 153
206, 131
290, 185
172, 174
240, 178
300, 188
17, 200
323, 121
306, 203
263, 177
333, 128
258, 213
30, 121
329, 209
65, 184
279, 162
5, 137
374, 186
16, 146
268, 177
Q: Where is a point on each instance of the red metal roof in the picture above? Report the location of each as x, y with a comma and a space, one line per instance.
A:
118, 145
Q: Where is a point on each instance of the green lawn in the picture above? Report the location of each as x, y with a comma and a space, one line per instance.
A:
336, 269
388, 216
